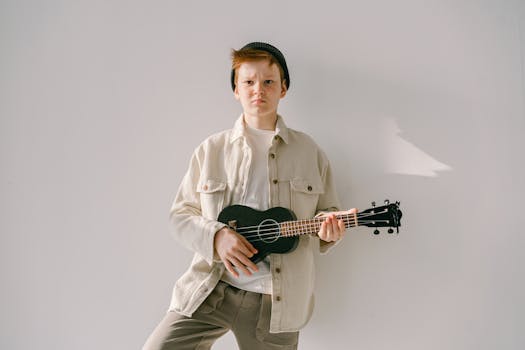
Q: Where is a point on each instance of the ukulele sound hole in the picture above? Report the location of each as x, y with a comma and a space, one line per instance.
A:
268, 231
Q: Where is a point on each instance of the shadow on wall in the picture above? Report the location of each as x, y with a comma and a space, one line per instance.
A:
403, 157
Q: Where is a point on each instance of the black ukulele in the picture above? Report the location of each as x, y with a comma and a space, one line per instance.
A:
277, 230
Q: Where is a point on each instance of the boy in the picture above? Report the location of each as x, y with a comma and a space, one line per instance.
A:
262, 164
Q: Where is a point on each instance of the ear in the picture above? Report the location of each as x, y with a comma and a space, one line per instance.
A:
236, 93
284, 89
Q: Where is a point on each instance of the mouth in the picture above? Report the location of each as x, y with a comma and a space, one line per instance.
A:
258, 101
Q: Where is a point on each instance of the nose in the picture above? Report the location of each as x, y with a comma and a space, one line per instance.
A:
258, 87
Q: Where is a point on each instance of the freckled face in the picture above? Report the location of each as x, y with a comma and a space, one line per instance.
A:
259, 89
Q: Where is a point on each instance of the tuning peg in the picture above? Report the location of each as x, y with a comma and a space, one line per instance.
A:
373, 204
390, 230
387, 202
398, 203
376, 231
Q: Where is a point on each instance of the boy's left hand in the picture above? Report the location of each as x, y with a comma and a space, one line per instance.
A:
332, 229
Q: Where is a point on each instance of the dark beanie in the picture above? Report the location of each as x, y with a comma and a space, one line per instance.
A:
272, 50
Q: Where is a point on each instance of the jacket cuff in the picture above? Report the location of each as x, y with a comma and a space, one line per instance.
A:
210, 230
326, 247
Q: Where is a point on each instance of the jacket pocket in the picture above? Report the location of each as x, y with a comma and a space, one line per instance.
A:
214, 300
304, 196
212, 194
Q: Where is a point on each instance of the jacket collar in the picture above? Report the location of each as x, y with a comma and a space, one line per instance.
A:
281, 130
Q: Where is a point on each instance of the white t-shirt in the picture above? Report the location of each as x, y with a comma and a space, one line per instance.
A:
257, 197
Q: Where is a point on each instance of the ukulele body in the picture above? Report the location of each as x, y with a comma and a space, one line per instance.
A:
261, 228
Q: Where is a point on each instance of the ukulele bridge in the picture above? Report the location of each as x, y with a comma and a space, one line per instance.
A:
233, 224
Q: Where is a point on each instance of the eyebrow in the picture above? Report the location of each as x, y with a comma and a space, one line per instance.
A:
265, 76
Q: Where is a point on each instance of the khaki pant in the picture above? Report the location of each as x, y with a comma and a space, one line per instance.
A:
246, 314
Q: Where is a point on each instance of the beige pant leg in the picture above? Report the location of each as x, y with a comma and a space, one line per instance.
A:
198, 332
247, 314
177, 332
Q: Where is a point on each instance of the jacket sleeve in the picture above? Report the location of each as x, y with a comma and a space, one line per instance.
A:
187, 223
328, 201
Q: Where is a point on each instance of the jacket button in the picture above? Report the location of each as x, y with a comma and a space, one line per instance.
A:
275, 181
272, 155
205, 187
310, 188
278, 270
278, 298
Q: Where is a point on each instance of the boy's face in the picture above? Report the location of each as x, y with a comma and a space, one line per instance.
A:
259, 89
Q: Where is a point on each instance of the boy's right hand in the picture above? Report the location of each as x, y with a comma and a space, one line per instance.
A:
234, 251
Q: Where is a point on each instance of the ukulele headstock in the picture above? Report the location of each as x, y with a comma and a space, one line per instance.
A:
387, 215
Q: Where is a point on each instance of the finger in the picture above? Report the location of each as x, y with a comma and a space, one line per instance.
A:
322, 231
230, 268
335, 226
336, 232
248, 245
246, 262
342, 228
336, 229
331, 228
241, 266
241, 247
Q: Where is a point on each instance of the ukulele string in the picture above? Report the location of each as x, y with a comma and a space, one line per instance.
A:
272, 235
270, 232
298, 228
349, 217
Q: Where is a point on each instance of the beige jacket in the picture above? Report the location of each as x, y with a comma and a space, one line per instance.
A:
300, 179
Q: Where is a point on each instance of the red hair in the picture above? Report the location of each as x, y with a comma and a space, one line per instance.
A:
250, 55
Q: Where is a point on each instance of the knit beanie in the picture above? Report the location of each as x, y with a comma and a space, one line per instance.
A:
272, 50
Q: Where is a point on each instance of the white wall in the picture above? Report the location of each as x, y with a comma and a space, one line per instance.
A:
102, 102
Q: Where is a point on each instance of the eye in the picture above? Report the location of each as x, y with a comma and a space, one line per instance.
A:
248, 82
268, 82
